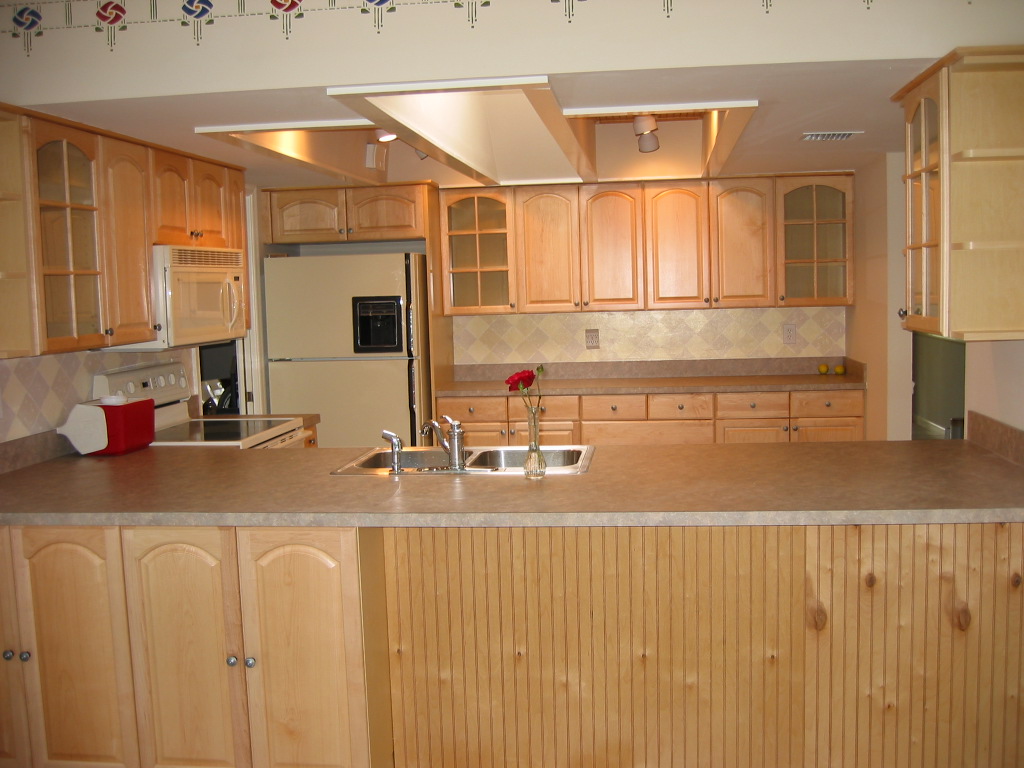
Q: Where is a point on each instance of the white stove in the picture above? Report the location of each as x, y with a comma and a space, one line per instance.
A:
167, 385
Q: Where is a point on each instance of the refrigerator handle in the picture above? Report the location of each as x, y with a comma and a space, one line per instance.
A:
410, 338
414, 422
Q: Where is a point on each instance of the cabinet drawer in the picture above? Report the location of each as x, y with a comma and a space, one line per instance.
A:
695, 406
616, 407
472, 409
825, 404
752, 405
559, 407
647, 432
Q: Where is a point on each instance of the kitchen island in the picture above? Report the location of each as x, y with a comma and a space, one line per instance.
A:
724, 605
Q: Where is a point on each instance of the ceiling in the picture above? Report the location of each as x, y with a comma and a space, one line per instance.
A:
560, 127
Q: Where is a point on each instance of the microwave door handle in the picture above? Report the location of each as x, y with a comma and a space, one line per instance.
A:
233, 316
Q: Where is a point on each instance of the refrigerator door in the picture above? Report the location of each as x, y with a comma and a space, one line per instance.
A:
309, 301
355, 400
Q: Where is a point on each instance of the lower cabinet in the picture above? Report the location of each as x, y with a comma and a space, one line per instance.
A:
249, 647
502, 420
784, 417
645, 419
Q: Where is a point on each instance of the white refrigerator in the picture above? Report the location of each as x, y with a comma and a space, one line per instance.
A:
346, 338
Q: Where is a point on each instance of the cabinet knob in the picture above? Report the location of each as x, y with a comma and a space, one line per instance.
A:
543, 409
502, 432
782, 298
512, 305
716, 299
828, 403
902, 313
8, 654
753, 405
707, 300
472, 409
250, 662
796, 429
351, 230
615, 407
575, 303
108, 331
24, 655
785, 429
158, 327
586, 303
232, 661
341, 231
680, 406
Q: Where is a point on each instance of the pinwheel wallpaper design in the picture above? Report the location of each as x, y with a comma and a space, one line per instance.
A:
28, 24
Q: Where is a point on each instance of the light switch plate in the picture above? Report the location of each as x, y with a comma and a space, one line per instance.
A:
593, 338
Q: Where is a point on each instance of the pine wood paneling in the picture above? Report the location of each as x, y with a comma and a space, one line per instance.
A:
724, 646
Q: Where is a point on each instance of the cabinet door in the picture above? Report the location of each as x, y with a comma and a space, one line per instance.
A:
71, 278
814, 232
611, 246
550, 433
127, 241
548, 248
208, 218
742, 243
14, 751
302, 622
74, 623
187, 653
171, 198
752, 430
18, 321
486, 433
476, 250
387, 213
677, 259
827, 430
308, 216
236, 209
700, 431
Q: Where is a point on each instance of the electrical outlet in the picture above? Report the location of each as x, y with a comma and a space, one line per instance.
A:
788, 334
592, 336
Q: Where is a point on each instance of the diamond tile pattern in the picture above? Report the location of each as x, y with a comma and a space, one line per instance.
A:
37, 393
654, 335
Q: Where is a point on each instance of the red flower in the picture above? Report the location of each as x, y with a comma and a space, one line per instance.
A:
521, 380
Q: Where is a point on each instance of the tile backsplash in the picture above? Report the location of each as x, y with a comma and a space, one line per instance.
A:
37, 393
652, 335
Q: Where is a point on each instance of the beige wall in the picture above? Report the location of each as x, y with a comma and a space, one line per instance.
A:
995, 380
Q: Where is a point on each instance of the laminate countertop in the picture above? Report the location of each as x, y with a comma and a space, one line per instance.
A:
785, 484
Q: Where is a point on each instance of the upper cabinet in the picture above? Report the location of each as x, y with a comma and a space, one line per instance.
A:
336, 215
191, 204
476, 251
68, 214
678, 263
547, 245
964, 164
18, 319
611, 246
814, 229
742, 243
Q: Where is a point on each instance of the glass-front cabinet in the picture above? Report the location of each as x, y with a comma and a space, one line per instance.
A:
68, 212
814, 240
477, 252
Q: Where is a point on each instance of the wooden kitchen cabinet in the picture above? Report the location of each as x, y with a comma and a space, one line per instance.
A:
814, 240
742, 242
70, 278
14, 741
782, 417
677, 258
186, 641
314, 620
611, 247
502, 420
190, 202
19, 335
335, 214
644, 419
484, 419
558, 420
74, 627
547, 248
477, 252
964, 161
126, 241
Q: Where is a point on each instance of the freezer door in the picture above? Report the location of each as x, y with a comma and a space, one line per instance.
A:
309, 300
355, 400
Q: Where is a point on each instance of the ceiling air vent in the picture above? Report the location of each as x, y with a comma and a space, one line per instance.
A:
830, 135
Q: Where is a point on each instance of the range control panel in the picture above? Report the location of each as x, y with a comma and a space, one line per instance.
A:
163, 382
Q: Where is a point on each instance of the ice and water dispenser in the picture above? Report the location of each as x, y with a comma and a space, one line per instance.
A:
377, 323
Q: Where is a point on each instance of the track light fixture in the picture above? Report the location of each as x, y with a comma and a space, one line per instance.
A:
644, 127
383, 135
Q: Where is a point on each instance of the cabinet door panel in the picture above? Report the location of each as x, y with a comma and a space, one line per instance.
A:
827, 430
185, 618
676, 245
125, 187
551, 433
210, 192
611, 244
308, 216
752, 430
752, 405
648, 432
171, 198
73, 620
14, 751
301, 618
742, 243
547, 249
387, 213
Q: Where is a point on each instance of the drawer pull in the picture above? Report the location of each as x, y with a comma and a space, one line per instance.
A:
472, 409
543, 409
828, 403
680, 406
785, 429
753, 405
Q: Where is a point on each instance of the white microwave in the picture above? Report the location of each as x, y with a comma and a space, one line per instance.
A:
198, 296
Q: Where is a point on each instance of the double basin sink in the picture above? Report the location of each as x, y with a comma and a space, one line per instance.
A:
496, 460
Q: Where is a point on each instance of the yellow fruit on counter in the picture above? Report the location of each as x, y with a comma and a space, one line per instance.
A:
823, 368
840, 370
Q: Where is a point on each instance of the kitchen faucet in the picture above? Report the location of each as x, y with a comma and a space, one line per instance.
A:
454, 445
396, 450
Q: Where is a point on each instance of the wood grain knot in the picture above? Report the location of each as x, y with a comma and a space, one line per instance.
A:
870, 580
1016, 580
819, 617
962, 617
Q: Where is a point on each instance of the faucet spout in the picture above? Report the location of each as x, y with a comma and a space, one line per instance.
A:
396, 450
433, 426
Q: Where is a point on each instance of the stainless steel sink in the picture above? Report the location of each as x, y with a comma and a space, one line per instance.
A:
489, 460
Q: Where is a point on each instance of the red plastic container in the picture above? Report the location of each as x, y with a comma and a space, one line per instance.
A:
129, 427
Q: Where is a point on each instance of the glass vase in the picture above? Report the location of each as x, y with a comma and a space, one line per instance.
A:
534, 466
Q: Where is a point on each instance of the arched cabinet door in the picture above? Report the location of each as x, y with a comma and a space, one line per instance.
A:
742, 243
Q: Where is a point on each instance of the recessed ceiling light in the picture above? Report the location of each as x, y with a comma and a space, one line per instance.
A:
830, 135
